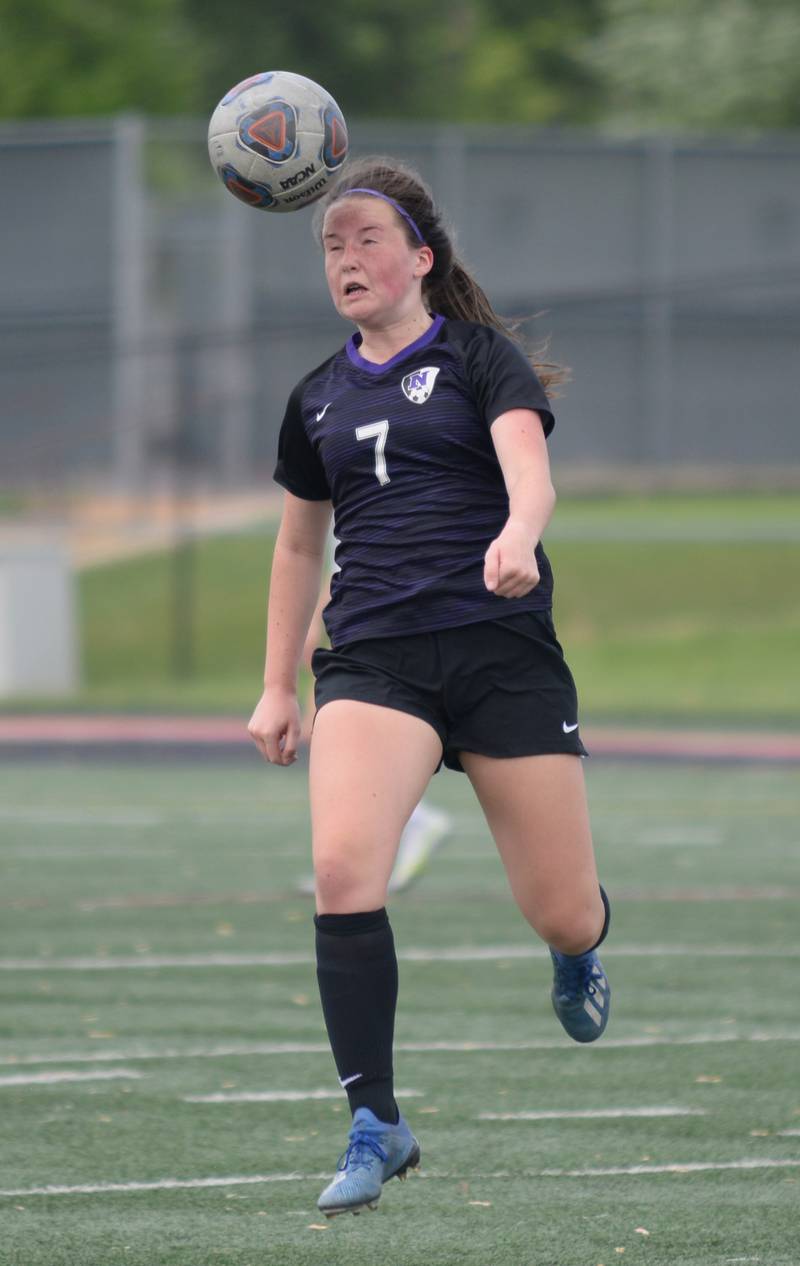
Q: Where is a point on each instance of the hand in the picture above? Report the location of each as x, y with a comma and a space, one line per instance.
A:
275, 726
510, 568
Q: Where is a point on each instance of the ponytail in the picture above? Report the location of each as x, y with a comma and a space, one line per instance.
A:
458, 296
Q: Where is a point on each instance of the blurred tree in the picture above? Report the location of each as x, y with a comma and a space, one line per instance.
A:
77, 57
479, 60
458, 60
634, 63
523, 63
713, 64
376, 57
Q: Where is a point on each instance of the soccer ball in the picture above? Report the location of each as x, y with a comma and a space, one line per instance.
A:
276, 139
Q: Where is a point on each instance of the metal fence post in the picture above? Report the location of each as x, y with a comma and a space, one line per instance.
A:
129, 299
235, 354
658, 263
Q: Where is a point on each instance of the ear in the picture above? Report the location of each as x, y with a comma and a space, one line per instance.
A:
424, 262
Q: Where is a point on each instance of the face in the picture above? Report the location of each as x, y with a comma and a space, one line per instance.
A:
373, 273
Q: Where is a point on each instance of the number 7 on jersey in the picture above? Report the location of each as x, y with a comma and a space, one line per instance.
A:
377, 431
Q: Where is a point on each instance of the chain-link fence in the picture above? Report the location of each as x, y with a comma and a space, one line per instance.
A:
148, 320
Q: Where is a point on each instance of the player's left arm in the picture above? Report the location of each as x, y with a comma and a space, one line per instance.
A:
510, 568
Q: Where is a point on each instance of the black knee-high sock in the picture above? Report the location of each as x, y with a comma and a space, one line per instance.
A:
606, 921
357, 975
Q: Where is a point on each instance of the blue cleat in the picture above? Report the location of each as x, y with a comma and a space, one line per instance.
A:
375, 1153
581, 994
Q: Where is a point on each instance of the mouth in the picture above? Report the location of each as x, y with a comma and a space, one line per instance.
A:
354, 288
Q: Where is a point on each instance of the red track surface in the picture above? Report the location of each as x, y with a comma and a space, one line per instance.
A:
228, 732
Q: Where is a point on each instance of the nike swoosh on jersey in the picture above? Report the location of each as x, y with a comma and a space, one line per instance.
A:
569, 728
321, 415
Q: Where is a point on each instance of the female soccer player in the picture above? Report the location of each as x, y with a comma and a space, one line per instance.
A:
426, 433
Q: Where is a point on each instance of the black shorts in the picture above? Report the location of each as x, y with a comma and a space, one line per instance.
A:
499, 687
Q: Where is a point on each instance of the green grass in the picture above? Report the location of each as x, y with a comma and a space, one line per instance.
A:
142, 620
681, 629
727, 517
12, 504
675, 608
133, 860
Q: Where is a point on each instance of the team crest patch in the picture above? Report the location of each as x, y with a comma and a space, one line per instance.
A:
418, 386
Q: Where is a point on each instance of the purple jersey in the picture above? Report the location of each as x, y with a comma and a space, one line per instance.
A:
404, 452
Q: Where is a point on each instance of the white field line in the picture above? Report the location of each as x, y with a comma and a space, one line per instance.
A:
33, 816
160, 1184
176, 899
788, 1134
592, 1114
456, 954
144, 962
283, 1096
65, 816
182, 1184
463, 824
678, 837
51, 1079
246, 1050
52, 852
688, 1167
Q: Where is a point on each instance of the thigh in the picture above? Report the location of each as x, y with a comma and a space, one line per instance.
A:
537, 812
369, 767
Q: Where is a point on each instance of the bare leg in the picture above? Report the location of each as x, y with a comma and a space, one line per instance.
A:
368, 769
537, 812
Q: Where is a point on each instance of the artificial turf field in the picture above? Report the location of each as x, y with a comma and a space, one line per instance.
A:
155, 953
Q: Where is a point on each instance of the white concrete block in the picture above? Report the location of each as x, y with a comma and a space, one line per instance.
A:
38, 618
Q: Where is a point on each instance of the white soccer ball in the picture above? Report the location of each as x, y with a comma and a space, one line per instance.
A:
276, 139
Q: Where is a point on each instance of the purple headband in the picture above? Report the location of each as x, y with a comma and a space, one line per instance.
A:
374, 193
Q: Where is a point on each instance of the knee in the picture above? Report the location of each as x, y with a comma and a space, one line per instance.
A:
342, 881
334, 876
570, 928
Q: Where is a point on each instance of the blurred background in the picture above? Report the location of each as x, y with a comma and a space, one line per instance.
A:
623, 173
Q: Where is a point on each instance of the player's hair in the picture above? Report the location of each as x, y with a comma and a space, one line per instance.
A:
448, 288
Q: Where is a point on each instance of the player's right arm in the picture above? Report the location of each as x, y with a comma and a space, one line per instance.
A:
297, 565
